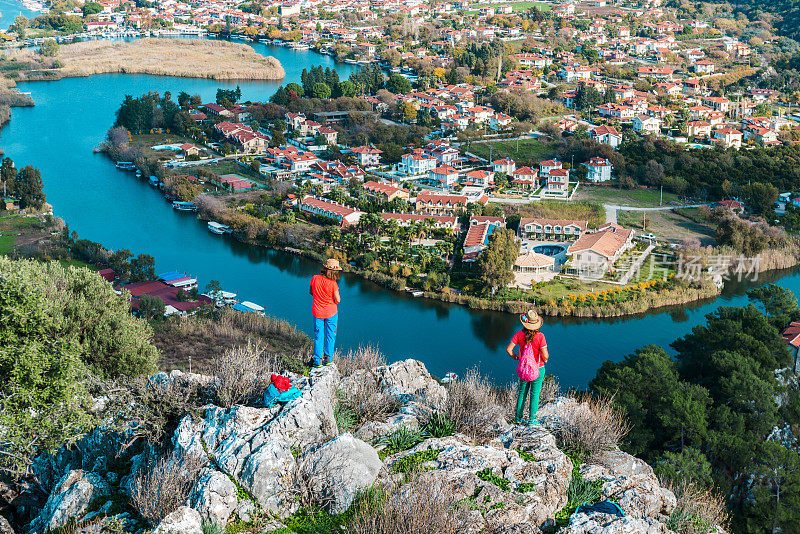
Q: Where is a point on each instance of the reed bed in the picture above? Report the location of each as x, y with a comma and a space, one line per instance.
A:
192, 58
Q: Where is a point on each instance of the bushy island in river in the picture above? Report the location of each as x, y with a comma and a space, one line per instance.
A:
188, 58
94, 440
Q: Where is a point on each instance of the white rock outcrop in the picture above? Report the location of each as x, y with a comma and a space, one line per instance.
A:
632, 483
70, 499
214, 496
515, 483
610, 524
338, 470
184, 520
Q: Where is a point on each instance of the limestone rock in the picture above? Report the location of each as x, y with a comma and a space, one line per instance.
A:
70, 499
410, 378
632, 482
458, 453
339, 469
214, 496
609, 524
550, 471
246, 511
517, 528
267, 474
184, 520
371, 431
5, 526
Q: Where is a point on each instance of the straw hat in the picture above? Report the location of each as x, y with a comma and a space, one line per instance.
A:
333, 264
531, 320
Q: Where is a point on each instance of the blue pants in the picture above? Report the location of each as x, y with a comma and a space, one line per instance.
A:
324, 337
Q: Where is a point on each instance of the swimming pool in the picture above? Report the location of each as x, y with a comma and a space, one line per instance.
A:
549, 250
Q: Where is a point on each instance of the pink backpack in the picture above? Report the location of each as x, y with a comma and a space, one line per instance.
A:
528, 368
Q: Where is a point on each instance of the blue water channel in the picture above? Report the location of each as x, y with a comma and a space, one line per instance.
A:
110, 206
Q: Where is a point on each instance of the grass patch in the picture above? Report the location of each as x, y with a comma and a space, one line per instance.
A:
527, 456
580, 491
413, 462
401, 440
343, 413
488, 476
640, 198
6, 245
438, 425
524, 151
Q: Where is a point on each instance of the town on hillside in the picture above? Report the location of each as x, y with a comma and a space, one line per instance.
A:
595, 148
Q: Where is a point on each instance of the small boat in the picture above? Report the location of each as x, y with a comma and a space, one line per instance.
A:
126, 165
449, 377
154, 181
415, 292
221, 298
184, 206
218, 228
250, 307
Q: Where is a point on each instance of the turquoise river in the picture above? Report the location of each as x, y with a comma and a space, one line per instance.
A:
110, 206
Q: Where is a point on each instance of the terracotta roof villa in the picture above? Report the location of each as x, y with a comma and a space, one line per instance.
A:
599, 250
330, 210
552, 228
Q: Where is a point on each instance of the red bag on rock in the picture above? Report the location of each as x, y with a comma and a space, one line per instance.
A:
281, 382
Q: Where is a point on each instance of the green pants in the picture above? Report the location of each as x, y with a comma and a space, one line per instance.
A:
533, 388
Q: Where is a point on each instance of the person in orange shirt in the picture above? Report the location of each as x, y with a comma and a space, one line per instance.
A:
325, 292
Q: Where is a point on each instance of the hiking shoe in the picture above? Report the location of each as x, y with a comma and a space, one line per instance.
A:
534, 422
520, 422
316, 366
327, 360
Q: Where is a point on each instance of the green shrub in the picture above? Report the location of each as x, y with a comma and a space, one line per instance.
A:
86, 311
412, 462
401, 439
438, 425
41, 371
343, 413
580, 491
488, 476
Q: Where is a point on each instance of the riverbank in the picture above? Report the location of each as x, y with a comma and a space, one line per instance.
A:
186, 58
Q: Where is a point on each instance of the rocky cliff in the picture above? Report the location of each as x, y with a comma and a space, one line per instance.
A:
258, 467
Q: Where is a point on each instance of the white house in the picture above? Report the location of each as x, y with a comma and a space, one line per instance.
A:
607, 135
367, 155
507, 166
598, 170
647, 125
331, 210
557, 180
414, 164
446, 176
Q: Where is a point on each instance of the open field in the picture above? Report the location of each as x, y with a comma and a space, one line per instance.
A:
640, 198
524, 150
146, 141
525, 6
667, 225
191, 58
19, 230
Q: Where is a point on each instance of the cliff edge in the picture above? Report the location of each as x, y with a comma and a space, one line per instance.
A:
267, 469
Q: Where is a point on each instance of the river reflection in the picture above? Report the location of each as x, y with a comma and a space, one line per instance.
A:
110, 206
